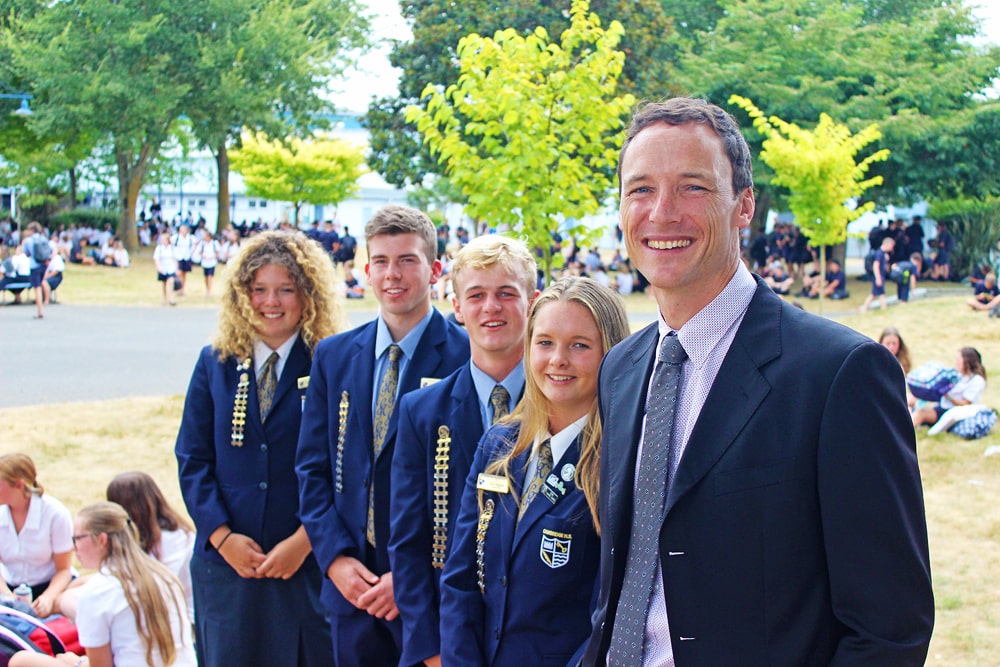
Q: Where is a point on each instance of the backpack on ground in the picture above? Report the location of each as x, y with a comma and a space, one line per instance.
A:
931, 381
21, 631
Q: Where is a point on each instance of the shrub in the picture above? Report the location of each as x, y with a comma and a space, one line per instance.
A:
93, 217
975, 224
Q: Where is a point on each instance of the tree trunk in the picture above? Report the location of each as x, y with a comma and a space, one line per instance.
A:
129, 184
761, 210
822, 275
222, 169
72, 187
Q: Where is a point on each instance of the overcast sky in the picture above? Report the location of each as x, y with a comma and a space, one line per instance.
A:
374, 76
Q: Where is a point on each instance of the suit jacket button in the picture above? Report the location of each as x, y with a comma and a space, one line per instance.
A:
263, 447
503, 581
496, 632
263, 486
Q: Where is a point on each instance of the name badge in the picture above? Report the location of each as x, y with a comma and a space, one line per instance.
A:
494, 483
554, 489
426, 382
303, 382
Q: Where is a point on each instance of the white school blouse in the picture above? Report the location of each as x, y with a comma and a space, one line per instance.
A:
26, 557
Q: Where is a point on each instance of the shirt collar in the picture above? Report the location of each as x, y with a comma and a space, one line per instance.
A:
383, 339
702, 333
561, 441
34, 518
261, 351
513, 383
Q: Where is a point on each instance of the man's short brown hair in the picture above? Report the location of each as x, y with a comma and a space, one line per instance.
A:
683, 110
394, 219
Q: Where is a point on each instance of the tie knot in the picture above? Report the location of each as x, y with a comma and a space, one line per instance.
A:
671, 350
271, 361
500, 401
395, 352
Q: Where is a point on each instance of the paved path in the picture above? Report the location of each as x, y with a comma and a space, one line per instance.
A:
93, 353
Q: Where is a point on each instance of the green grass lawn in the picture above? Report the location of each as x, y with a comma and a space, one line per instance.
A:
82, 445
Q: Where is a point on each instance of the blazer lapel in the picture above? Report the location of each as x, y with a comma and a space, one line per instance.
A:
736, 393
466, 419
363, 381
623, 414
542, 505
296, 366
505, 503
423, 364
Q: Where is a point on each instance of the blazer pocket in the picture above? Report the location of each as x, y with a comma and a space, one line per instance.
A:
757, 477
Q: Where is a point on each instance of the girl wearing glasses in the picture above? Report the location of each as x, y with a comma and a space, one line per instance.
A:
132, 611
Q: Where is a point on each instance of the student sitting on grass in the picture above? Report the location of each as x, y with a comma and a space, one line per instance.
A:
986, 295
132, 612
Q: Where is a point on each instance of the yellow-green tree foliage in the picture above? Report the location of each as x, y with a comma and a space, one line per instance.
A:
320, 171
531, 130
819, 169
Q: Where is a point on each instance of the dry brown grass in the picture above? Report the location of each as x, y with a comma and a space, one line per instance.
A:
79, 447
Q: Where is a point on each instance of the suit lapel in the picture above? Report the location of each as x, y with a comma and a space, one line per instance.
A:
738, 390
363, 381
424, 363
542, 505
296, 366
624, 411
506, 504
466, 420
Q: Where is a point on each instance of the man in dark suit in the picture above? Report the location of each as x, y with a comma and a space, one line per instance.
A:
791, 528
349, 426
440, 425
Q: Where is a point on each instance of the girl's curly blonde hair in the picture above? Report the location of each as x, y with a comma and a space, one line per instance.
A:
308, 266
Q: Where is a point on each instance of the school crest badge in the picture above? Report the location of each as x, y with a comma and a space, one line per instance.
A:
555, 548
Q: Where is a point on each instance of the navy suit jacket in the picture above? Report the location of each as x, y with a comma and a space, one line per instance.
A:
540, 572
334, 477
253, 488
794, 531
416, 583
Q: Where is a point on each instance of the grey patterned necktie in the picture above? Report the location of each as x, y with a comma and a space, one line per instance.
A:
655, 475
542, 471
267, 383
500, 400
385, 403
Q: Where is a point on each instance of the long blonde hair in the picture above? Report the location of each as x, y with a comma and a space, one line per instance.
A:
307, 265
144, 579
533, 411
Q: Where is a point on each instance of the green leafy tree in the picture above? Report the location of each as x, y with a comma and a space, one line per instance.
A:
320, 171
904, 65
431, 57
949, 157
532, 126
116, 69
264, 64
975, 223
820, 171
